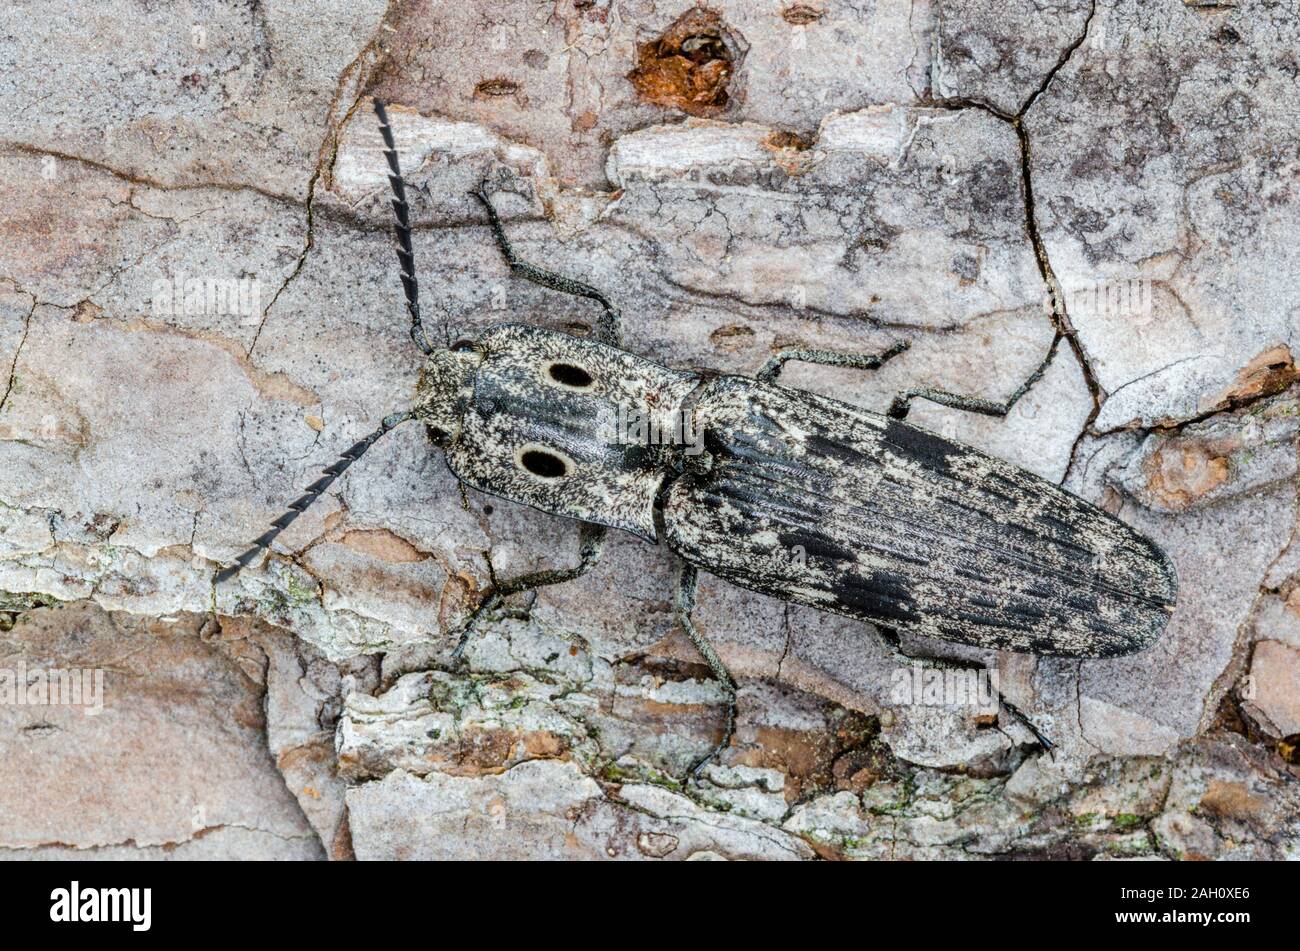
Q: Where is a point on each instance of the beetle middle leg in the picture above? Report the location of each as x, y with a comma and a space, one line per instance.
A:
830, 358
902, 403
686, 587
609, 328
591, 544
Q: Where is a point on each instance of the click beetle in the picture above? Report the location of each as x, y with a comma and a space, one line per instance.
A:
891, 524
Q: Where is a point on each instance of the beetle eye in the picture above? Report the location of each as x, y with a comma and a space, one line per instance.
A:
547, 465
462, 344
569, 375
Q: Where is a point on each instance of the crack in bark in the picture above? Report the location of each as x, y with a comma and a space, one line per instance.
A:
13, 367
125, 176
1168, 426
167, 844
1060, 314
308, 243
1068, 52
1060, 317
330, 146
789, 638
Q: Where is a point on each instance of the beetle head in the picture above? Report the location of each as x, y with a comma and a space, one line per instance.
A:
445, 388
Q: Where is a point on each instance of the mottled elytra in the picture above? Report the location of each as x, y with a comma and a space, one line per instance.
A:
797, 496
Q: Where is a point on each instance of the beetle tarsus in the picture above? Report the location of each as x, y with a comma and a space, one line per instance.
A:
591, 544
902, 404
727, 734
1011, 708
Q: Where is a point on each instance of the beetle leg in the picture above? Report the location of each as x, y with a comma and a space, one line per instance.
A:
1011, 708
685, 606
1003, 702
901, 405
591, 545
831, 358
608, 330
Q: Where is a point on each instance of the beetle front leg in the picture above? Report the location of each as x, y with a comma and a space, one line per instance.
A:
591, 545
609, 330
829, 358
686, 586
902, 404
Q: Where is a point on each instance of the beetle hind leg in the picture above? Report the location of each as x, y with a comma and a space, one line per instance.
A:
685, 607
948, 664
609, 329
902, 403
591, 546
1028, 724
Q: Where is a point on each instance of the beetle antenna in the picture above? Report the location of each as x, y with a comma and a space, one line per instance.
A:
402, 228
314, 492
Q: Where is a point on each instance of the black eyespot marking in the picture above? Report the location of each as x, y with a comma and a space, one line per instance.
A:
570, 375
544, 464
